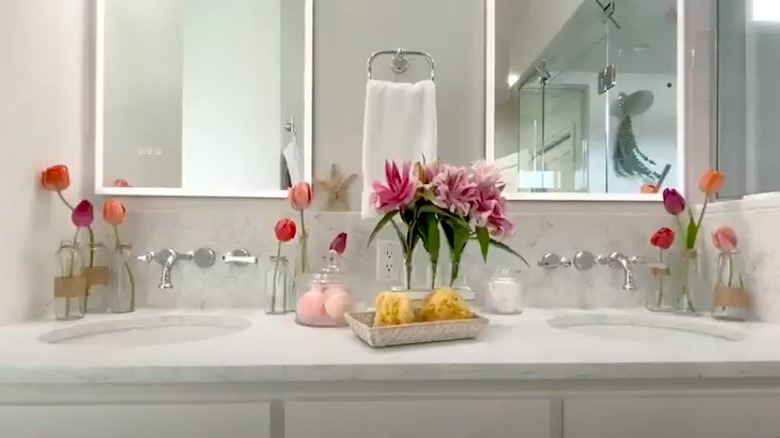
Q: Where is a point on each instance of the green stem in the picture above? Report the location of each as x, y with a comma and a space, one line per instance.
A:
660, 281
434, 265
698, 223
65, 201
455, 269
117, 245
303, 243
91, 247
276, 273
408, 268
72, 267
731, 275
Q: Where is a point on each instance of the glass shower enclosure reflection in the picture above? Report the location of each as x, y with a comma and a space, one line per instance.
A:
572, 136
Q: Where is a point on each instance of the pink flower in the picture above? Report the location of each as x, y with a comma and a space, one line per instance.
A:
339, 244
486, 176
83, 215
400, 190
431, 170
453, 190
497, 222
724, 239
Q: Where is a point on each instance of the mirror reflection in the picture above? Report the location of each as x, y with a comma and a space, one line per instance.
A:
586, 95
202, 95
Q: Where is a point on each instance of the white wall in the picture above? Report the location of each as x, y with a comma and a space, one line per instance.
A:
232, 94
44, 120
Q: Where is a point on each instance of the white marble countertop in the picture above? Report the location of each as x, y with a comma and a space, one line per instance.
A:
275, 349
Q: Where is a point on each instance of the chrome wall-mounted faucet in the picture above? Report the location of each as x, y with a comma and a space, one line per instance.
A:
167, 258
618, 260
553, 261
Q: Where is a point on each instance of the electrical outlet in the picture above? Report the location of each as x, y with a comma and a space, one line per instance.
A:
388, 261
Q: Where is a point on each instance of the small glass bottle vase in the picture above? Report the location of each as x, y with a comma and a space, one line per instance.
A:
730, 298
660, 298
278, 286
121, 295
70, 286
97, 260
690, 282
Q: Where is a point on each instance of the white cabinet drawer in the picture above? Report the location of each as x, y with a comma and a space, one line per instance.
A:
477, 418
236, 420
689, 417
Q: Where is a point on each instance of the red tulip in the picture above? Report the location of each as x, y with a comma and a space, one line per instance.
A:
285, 230
339, 244
299, 196
724, 239
83, 214
56, 178
674, 203
663, 238
121, 183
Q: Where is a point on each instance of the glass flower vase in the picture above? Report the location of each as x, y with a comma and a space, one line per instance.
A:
660, 297
70, 286
730, 298
97, 260
690, 281
121, 296
278, 286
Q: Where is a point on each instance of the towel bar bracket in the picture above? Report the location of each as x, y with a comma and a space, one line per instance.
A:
400, 61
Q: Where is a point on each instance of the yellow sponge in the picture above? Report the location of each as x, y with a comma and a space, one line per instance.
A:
444, 304
392, 308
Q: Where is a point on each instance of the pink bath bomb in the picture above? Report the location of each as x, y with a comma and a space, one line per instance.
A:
333, 290
311, 304
336, 305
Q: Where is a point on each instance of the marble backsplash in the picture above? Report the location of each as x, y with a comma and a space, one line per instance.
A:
229, 286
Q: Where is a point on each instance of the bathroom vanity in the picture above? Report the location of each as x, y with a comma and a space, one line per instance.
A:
563, 373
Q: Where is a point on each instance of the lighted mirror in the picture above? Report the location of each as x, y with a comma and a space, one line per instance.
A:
585, 97
203, 97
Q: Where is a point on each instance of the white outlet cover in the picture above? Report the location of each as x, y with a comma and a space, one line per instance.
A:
389, 259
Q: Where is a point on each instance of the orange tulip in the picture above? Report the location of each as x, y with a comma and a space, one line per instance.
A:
299, 196
711, 182
648, 188
55, 178
114, 212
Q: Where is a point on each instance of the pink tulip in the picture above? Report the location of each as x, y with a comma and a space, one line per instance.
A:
674, 203
83, 215
399, 191
725, 239
453, 190
299, 196
339, 244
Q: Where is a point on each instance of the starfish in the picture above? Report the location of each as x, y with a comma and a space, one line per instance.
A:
338, 189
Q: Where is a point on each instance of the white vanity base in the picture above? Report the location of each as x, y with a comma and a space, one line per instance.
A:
577, 409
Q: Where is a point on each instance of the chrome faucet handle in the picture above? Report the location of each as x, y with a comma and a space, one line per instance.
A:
203, 257
239, 257
584, 260
147, 257
553, 261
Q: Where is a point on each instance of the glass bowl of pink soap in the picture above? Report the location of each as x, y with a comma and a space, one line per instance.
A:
326, 300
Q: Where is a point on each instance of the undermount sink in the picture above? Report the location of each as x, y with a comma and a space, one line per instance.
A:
146, 330
666, 329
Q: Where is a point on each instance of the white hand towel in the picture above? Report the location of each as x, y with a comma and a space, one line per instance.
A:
399, 125
293, 158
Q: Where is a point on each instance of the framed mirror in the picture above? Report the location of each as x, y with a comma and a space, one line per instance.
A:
585, 98
207, 98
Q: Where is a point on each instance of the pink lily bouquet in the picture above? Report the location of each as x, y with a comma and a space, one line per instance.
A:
464, 202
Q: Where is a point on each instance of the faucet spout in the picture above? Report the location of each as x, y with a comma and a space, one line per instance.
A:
618, 260
167, 258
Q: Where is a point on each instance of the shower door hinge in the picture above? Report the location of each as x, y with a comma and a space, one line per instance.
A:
607, 78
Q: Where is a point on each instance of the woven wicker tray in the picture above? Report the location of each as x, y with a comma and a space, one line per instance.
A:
417, 333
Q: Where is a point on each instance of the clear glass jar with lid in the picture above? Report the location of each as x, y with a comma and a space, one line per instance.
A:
505, 292
327, 297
